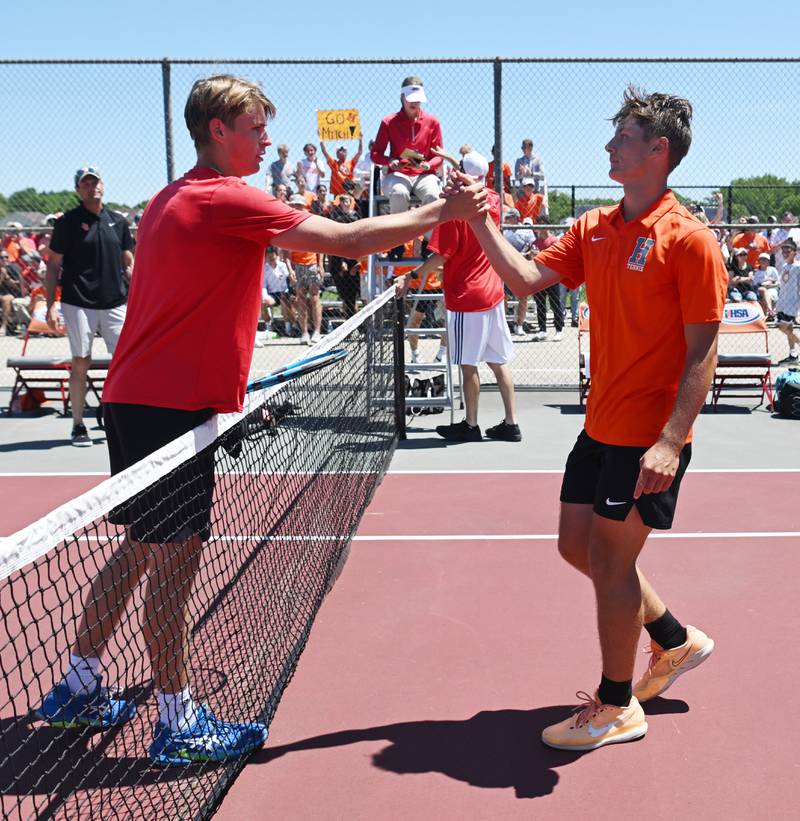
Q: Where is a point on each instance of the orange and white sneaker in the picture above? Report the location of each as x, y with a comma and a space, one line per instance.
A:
594, 724
666, 665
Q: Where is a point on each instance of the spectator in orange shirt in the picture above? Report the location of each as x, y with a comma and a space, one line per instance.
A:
308, 273
341, 168
754, 243
530, 200
11, 242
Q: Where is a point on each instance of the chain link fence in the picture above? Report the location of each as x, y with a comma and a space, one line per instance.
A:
126, 116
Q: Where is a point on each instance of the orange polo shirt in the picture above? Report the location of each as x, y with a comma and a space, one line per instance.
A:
645, 280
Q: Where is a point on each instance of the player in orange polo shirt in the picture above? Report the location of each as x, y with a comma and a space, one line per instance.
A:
656, 286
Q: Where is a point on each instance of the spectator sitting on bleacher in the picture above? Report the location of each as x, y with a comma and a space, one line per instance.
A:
302, 191
740, 278
279, 280
309, 273
529, 203
346, 273
409, 134
522, 239
320, 204
788, 306
310, 168
765, 281
10, 242
282, 192
752, 242
12, 296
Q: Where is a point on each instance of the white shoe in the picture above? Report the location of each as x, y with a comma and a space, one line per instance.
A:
558, 336
414, 357
519, 331
441, 355
315, 337
305, 339
540, 336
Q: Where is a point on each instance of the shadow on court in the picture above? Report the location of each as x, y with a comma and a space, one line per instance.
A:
496, 749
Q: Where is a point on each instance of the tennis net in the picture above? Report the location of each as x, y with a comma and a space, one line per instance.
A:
292, 476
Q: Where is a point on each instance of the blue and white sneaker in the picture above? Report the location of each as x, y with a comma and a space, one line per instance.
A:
63, 708
208, 740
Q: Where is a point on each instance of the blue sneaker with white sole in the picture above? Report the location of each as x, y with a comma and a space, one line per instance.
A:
208, 740
99, 709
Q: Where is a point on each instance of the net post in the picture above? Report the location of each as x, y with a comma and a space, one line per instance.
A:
166, 86
498, 127
399, 368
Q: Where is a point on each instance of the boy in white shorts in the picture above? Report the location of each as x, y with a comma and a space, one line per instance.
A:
476, 324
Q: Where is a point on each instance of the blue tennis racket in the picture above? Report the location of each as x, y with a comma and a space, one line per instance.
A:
295, 369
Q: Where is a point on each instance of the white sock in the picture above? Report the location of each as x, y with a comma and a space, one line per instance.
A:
82, 674
177, 710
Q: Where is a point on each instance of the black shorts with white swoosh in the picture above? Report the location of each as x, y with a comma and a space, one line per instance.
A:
605, 476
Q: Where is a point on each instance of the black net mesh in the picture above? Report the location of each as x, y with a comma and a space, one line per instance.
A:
291, 479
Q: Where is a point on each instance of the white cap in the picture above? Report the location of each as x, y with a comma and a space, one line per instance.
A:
475, 164
764, 256
528, 181
414, 94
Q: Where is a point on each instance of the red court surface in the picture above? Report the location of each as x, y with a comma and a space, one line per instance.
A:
437, 660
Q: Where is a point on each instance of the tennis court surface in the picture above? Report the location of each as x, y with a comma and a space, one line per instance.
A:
453, 636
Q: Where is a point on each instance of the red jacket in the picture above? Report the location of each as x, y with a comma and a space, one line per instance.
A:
399, 132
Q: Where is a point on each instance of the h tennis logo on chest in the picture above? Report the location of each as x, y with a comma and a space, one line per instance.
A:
638, 258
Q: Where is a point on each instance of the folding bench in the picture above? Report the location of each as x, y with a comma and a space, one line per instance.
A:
51, 373
746, 373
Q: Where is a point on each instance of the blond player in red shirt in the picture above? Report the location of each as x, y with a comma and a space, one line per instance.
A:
656, 287
184, 353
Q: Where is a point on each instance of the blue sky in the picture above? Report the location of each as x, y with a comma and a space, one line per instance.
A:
111, 116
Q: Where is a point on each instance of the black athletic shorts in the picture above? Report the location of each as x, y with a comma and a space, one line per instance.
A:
604, 476
782, 317
176, 506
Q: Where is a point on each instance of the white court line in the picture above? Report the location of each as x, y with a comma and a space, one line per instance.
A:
548, 537
466, 537
558, 472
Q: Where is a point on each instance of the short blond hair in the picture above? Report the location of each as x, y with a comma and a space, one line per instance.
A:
225, 97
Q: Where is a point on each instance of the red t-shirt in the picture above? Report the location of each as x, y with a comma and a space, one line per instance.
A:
195, 295
398, 132
470, 282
